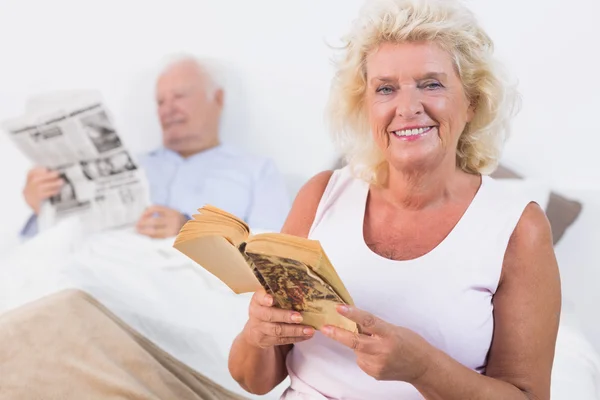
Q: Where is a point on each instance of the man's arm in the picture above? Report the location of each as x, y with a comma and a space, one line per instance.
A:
40, 185
270, 200
30, 229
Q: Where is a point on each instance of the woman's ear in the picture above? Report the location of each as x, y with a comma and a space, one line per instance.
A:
471, 110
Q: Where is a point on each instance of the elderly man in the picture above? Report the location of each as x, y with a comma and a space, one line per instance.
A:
192, 167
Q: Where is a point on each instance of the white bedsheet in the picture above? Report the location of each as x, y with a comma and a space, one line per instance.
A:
186, 311
576, 372
154, 288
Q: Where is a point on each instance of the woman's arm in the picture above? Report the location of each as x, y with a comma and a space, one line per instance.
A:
527, 308
257, 369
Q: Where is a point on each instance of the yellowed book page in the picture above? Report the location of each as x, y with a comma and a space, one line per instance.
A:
215, 219
329, 316
216, 255
284, 238
197, 228
304, 250
215, 211
296, 287
325, 268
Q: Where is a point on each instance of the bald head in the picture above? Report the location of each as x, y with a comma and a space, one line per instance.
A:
189, 107
187, 67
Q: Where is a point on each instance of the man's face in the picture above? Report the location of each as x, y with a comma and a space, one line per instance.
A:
189, 115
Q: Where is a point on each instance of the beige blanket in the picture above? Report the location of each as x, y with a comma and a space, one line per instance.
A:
68, 346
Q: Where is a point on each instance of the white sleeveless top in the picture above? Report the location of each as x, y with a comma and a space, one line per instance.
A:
444, 295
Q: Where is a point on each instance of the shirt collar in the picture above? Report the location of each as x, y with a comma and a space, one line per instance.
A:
172, 155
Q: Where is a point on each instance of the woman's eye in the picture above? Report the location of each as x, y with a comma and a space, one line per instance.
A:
432, 85
384, 90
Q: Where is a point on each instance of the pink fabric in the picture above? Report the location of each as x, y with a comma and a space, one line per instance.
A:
445, 295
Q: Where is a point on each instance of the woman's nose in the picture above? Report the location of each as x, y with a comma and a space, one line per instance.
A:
409, 103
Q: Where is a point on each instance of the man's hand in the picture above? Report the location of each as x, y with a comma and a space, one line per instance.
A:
160, 222
41, 184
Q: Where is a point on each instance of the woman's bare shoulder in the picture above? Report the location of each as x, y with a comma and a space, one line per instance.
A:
530, 250
304, 208
533, 233
527, 307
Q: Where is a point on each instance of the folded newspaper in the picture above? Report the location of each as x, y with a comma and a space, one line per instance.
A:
76, 136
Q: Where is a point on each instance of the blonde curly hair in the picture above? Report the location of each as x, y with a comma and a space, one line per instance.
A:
455, 29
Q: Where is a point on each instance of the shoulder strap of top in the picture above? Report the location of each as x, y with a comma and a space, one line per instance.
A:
492, 222
339, 181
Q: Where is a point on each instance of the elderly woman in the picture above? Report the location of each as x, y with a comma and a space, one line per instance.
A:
455, 281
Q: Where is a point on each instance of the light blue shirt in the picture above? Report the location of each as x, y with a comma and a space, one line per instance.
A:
249, 187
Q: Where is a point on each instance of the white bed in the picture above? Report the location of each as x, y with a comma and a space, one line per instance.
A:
189, 313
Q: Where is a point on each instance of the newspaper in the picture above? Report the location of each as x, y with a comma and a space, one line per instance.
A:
104, 184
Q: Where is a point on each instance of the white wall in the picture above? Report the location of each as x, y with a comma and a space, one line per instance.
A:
278, 66
278, 69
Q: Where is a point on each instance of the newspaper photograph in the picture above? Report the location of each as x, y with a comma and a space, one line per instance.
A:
103, 184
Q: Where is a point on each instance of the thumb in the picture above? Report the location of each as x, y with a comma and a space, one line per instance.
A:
368, 323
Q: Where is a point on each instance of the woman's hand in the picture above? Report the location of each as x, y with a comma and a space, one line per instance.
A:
269, 326
384, 351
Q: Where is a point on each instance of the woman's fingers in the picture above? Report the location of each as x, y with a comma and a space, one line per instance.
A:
276, 334
272, 326
286, 331
272, 314
262, 298
290, 340
262, 309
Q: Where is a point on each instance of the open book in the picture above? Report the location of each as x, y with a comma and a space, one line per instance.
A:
294, 270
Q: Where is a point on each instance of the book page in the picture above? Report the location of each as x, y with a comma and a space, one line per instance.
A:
307, 251
296, 287
198, 228
219, 257
212, 221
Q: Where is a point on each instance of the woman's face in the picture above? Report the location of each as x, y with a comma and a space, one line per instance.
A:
416, 104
